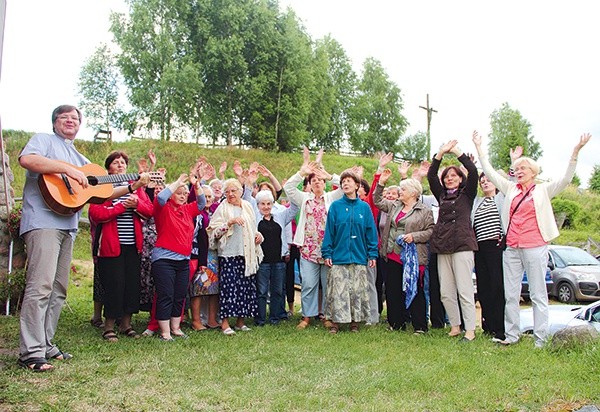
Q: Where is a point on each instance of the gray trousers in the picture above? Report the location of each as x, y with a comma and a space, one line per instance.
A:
534, 261
455, 271
49, 253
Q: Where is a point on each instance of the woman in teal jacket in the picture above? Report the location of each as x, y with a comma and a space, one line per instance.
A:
350, 243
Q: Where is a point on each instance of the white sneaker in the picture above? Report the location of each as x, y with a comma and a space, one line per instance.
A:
147, 332
243, 328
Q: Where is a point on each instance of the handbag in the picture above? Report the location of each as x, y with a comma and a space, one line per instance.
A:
502, 240
206, 279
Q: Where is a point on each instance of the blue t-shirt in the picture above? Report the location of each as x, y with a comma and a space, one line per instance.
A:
36, 214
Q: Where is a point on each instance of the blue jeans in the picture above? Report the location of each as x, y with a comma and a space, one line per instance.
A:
270, 280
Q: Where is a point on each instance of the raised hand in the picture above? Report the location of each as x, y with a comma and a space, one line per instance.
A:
384, 159
582, 142
476, 139
207, 172
358, 171
264, 171
385, 175
448, 147
183, 179
319, 171
319, 158
143, 166
515, 153
237, 168
152, 158
305, 156
421, 172
403, 169
251, 176
472, 157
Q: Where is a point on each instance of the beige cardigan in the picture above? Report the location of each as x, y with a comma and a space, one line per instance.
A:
542, 196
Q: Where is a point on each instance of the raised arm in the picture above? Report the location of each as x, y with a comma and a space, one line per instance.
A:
267, 173
555, 187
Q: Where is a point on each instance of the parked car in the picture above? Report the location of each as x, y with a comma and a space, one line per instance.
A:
564, 316
575, 274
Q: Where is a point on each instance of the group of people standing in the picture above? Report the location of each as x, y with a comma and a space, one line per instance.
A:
231, 242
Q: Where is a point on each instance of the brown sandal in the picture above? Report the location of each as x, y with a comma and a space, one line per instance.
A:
110, 336
333, 329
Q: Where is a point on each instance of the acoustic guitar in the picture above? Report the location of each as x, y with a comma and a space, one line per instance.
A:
66, 196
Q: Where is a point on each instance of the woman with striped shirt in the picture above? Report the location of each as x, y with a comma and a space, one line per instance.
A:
488, 259
119, 249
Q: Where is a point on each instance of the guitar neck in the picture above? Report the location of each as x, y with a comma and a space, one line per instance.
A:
106, 179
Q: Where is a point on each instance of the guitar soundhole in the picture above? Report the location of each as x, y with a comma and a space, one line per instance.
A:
92, 180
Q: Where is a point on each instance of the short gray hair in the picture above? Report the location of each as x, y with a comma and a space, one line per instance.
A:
265, 195
413, 186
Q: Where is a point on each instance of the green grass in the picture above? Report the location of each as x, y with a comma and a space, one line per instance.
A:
278, 368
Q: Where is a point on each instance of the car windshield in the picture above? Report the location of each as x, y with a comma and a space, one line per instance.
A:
574, 257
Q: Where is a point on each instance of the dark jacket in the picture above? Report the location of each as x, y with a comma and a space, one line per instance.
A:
418, 222
453, 231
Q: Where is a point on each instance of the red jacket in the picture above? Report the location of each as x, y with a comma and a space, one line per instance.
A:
175, 226
106, 214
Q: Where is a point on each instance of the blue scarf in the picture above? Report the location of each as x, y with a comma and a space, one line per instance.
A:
410, 275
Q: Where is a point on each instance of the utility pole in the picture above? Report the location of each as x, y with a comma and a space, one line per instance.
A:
430, 110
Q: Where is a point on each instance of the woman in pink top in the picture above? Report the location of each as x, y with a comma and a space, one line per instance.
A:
529, 225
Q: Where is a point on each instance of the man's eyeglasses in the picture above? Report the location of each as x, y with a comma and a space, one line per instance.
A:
66, 117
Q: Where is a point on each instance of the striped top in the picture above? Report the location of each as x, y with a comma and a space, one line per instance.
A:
125, 225
486, 222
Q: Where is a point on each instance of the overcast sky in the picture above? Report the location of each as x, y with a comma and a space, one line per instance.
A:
470, 56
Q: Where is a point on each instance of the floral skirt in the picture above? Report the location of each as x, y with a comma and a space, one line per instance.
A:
237, 294
347, 294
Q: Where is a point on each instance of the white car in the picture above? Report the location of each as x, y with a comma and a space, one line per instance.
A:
564, 316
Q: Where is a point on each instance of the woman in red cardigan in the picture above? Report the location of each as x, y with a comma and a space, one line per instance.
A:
175, 221
120, 245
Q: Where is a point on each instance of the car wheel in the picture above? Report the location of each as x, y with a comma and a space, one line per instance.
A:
565, 293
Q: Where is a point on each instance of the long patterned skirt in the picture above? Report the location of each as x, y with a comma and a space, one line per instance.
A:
146, 279
237, 292
347, 294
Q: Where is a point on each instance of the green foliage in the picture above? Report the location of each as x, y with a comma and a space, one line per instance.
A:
414, 147
157, 65
594, 183
12, 285
243, 71
510, 129
570, 209
576, 181
13, 223
99, 91
376, 122
333, 94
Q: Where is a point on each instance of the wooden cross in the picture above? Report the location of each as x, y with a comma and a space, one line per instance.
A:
430, 110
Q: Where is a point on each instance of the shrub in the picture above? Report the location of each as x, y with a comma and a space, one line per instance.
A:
13, 223
12, 286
